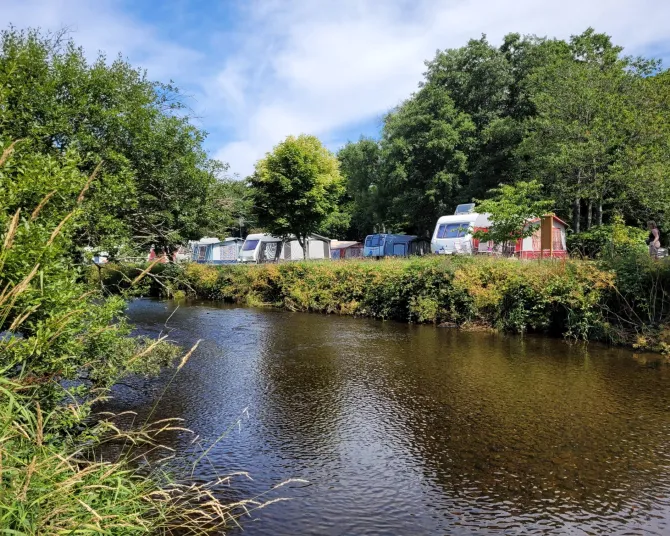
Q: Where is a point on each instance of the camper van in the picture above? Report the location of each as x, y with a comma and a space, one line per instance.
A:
453, 234
259, 248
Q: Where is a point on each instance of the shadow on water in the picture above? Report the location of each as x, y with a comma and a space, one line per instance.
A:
415, 430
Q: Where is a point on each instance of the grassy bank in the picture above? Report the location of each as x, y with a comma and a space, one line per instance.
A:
554, 297
622, 302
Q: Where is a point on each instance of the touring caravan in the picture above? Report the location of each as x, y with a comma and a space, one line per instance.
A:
259, 248
390, 245
453, 234
213, 251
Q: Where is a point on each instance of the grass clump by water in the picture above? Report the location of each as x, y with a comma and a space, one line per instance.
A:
55, 484
63, 344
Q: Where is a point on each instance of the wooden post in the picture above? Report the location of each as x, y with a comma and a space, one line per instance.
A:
546, 235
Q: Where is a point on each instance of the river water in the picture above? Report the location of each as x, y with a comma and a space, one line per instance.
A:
404, 429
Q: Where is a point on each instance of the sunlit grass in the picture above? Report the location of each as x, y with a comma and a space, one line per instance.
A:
58, 486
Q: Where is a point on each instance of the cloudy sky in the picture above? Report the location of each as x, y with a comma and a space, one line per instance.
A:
258, 70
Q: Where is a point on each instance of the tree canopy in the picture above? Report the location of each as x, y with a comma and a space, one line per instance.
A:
296, 188
588, 122
156, 182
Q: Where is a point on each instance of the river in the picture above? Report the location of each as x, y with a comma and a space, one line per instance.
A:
405, 429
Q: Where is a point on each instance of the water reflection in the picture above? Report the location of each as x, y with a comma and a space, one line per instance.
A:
416, 430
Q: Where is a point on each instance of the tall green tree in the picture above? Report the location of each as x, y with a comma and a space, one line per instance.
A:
156, 180
581, 124
230, 209
361, 167
296, 188
643, 164
424, 145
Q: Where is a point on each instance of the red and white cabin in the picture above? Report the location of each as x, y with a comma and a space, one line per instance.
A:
531, 246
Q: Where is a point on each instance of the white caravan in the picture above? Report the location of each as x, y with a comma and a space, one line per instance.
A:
453, 234
259, 248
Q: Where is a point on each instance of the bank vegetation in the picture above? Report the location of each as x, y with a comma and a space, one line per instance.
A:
619, 300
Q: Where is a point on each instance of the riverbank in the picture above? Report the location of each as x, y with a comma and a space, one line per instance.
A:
620, 301
553, 297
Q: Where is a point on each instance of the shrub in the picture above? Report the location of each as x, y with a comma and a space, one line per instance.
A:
607, 240
549, 296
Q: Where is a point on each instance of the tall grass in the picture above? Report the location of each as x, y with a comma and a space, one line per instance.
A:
50, 484
63, 345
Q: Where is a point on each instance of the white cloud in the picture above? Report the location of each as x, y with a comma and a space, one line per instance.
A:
100, 25
320, 66
335, 63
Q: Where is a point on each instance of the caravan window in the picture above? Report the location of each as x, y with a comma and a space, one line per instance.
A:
452, 230
202, 253
374, 241
249, 245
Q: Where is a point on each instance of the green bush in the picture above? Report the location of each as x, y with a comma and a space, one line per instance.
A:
63, 344
553, 297
607, 240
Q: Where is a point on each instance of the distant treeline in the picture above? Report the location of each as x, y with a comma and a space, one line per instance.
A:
589, 123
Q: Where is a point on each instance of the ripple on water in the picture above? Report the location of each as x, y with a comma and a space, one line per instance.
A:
415, 430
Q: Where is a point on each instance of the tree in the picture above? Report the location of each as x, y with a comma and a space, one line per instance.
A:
61, 339
156, 182
424, 148
229, 209
510, 208
361, 166
583, 122
643, 164
296, 188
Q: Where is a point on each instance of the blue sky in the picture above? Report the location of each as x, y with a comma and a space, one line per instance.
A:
258, 70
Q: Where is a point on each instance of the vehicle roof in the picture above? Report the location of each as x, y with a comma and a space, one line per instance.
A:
260, 236
471, 217
400, 237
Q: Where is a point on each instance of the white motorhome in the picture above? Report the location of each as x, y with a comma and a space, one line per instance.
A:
453, 234
258, 248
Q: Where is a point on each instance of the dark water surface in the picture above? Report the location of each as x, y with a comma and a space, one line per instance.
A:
406, 429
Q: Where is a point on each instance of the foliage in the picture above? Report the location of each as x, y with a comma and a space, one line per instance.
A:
229, 209
608, 240
637, 305
559, 298
577, 115
62, 345
423, 144
55, 484
156, 184
510, 208
621, 299
59, 336
296, 188
360, 165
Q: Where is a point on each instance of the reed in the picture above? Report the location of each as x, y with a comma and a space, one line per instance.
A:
63, 486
